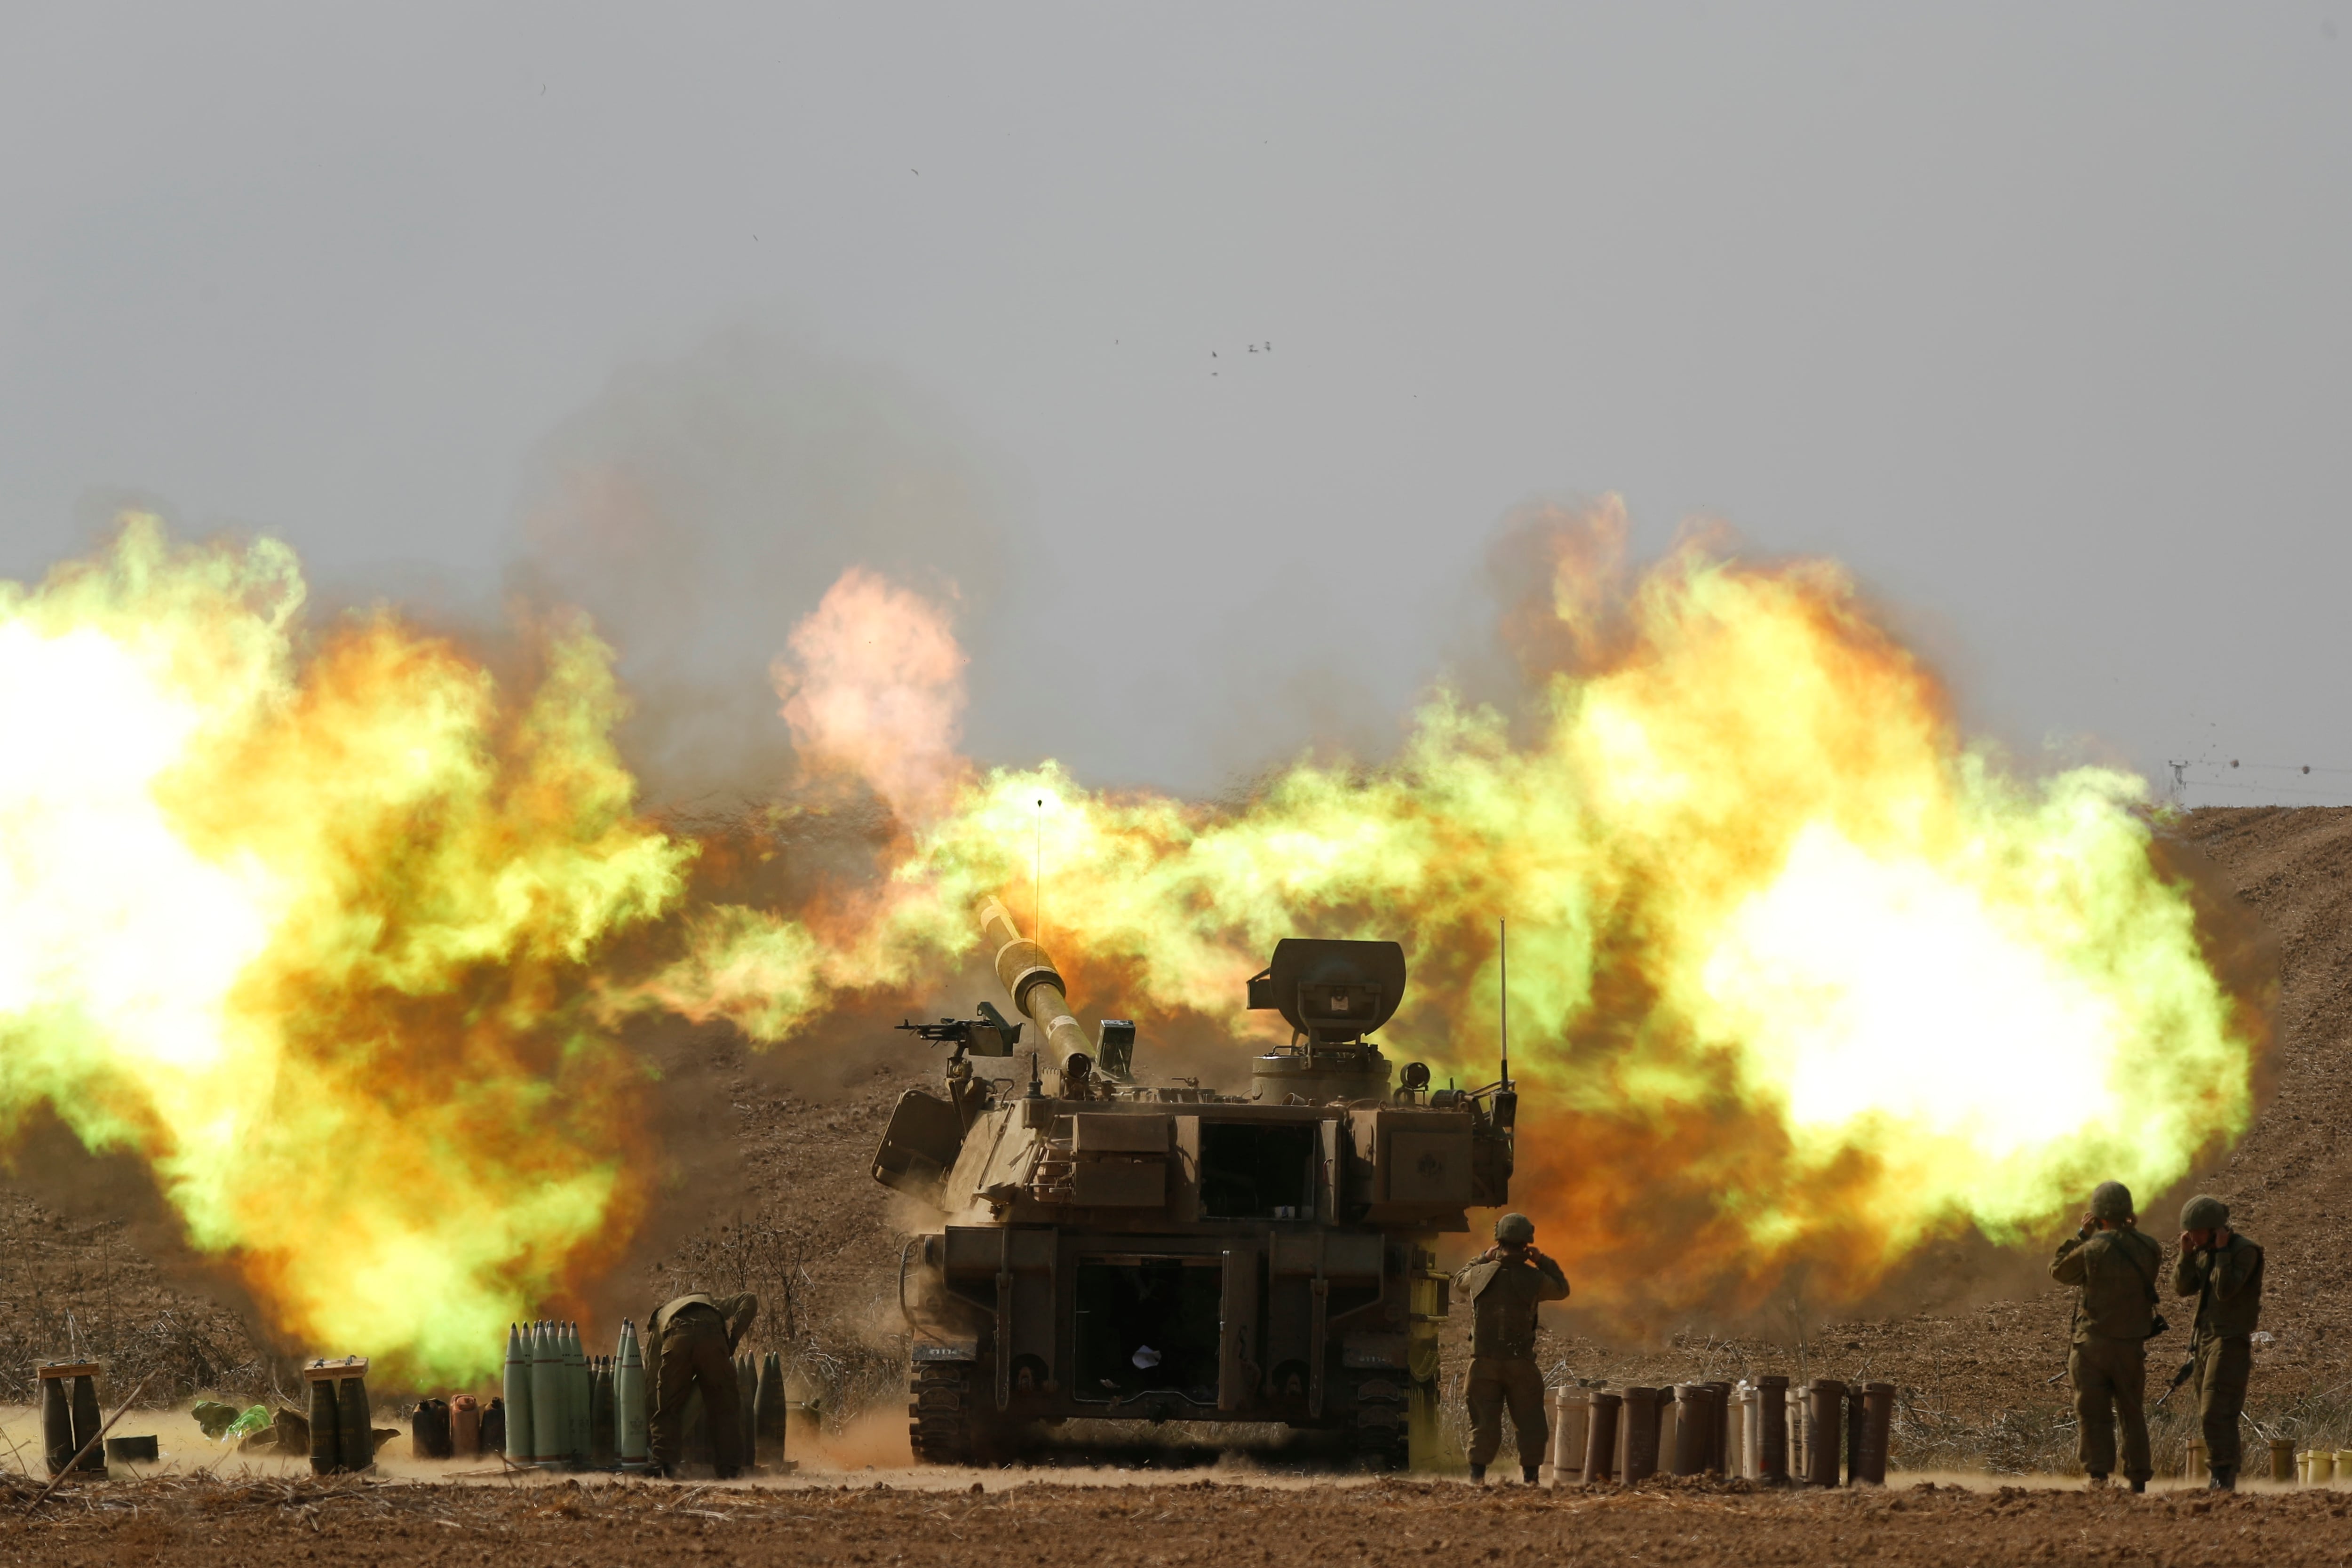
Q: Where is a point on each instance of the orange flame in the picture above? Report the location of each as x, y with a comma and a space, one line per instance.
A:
298, 930
874, 689
1801, 978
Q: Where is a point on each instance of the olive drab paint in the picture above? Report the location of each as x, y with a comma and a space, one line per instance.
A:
1364, 1164
519, 1438
770, 1411
629, 1396
548, 1418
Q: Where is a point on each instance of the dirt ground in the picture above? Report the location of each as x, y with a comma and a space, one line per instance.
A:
86, 1266
942, 1518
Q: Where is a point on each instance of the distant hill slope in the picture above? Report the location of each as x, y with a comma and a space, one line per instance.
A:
784, 1202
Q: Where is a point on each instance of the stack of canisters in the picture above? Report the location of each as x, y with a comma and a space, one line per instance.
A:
70, 1416
1764, 1431
342, 1437
564, 1407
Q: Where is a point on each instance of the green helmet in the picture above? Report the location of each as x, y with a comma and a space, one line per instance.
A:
2204, 1213
1516, 1229
2111, 1200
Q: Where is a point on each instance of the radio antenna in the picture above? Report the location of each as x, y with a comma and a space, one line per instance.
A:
1503, 938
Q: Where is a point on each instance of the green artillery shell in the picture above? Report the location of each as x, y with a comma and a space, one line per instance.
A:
549, 1419
629, 1396
583, 1392
599, 1414
518, 1396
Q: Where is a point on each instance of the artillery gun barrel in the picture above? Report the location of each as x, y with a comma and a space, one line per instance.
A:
1029, 977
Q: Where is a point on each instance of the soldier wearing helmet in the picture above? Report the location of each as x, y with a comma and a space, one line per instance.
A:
2224, 1271
2114, 1269
1504, 1285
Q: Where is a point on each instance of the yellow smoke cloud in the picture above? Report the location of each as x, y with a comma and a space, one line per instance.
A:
1800, 976
291, 915
312, 917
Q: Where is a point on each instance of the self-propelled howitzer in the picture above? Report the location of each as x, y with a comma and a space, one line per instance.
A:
1115, 1250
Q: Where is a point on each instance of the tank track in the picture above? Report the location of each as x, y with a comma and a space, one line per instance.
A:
940, 1419
1383, 1434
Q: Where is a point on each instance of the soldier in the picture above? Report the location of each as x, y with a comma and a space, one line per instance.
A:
689, 1344
2114, 1268
2224, 1271
1504, 1285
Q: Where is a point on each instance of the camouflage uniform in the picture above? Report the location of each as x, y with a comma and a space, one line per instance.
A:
1503, 1293
2114, 1273
2228, 1284
690, 1342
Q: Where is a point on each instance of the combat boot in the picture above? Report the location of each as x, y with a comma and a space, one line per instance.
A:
2098, 1480
2139, 1485
2224, 1480
1528, 1474
1477, 1475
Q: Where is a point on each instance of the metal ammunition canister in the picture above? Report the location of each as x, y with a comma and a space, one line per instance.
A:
429, 1435
549, 1421
1772, 1430
1600, 1437
1877, 1433
1799, 1462
517, 1445
1739, 1443
1640, 1426
355, 1438
1571, 1421
771, 1417
629, 1396
465, 1427
326, 1428
2281, 1459
1690, 1428
2193, 1461
1853, 1425
1825, 1431
494, 1427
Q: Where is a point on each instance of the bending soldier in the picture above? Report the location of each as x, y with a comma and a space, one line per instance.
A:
2114, 1269
2224, 1271
689, 1344
1504, 1285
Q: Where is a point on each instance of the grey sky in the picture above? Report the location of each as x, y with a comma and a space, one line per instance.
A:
2036, 315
